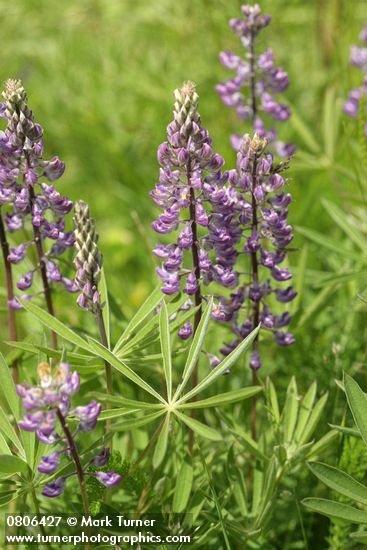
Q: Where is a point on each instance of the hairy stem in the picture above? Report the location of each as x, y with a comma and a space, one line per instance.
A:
9, 292
108, 368
42, 263
78, 466
196, 265
254, 262
255, 281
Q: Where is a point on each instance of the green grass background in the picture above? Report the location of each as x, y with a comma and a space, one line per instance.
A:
100, 76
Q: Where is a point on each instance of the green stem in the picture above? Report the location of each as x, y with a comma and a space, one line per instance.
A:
108, 368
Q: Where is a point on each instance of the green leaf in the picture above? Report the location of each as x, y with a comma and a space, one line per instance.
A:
313, 419
322, 444
341, 219
305, 410
57, 326
290, 411
115, 413
106, 308
7, 429
183, 488
161, 445
339, 481
304, 132
328, 243
223, 366
359, 536
248, 441
124, 402
166, 348
346, 430
199, 427
273, 399
334, 509
10, 464
358, 404
196, 345
143, 312
8, 388
115, 362
223, 398
137, 422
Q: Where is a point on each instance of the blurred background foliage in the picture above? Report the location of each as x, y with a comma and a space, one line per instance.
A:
100, 76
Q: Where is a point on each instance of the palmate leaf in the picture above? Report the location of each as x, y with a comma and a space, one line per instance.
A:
118, 364
334, 509
305, 411
144, 311
166, 348
357, 402
223, 398
290, 411
10, 464
183, 487
195, 348
57, 326
161, 445
198, 427
339, 481
222, 367
106, 307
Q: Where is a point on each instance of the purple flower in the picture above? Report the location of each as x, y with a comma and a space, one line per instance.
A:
358, 58
88, 415
260, 219
102, 458
30, 202
49, 463
256, 79
185, 331
49, 402
109, 479
54, 488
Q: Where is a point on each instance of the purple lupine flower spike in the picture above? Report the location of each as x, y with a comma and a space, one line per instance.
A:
259, 214
48, 405
358, 58
88, 259
256, 82
191, 186
29, 201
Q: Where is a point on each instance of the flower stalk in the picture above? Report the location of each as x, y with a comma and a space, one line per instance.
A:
9, 291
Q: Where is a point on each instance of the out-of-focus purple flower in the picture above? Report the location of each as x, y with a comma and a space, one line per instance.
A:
109, 479
54, 488
185, 331
102, 458
256, 79
358, 58
88, 415
49, 463
49, 403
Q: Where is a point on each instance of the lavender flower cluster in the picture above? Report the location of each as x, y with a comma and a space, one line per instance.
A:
48, 403
358, 58
26, 197
259, 212
257, 79
190, 183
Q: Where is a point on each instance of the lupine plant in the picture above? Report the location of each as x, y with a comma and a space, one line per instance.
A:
126, 409
257, 78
